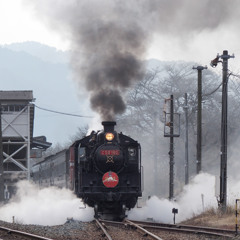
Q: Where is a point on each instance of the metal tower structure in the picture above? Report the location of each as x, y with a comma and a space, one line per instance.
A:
17, 117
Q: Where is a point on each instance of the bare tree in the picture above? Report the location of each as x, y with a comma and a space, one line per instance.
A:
143, 118
80, 133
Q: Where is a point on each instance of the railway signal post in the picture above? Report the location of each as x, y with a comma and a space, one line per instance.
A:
171, 130
171, 152
223, 153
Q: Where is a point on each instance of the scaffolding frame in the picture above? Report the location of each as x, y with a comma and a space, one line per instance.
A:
11, 131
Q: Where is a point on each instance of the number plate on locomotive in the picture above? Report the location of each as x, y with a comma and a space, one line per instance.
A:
110, 152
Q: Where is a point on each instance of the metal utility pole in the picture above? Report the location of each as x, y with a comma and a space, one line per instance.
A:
1, 160
186, 140
171, 152
223, 171
199, 119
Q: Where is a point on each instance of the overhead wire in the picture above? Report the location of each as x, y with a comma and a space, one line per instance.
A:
63, 113
207, 94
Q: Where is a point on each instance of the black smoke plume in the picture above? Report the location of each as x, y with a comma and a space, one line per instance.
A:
108, 45
111, 64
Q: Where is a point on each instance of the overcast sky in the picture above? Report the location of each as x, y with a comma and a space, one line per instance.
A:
18, 23
21, 21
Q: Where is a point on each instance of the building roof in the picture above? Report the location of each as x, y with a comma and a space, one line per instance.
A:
16, 95
40, 142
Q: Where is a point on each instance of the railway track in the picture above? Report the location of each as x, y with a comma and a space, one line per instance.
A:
7, 233
102, 227
144, 233
126, 230
155, 230
187, 228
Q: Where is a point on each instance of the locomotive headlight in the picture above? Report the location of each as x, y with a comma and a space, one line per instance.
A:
132, 152
109, 136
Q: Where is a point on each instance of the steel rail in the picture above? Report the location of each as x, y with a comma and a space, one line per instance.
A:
103, 229
187, 227
33, 236
188, 231
143, 230
216, 232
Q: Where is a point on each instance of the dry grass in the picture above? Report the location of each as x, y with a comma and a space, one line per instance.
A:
215, 218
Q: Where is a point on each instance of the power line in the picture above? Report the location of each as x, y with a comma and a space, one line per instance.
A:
207, 94
69, 114
235, 75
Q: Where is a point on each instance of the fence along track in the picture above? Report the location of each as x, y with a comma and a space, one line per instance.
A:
103, 229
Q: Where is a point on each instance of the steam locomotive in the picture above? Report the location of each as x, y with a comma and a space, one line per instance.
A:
103, 169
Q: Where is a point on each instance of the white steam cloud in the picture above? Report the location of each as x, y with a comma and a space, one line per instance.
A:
196, 197
47, 206
52, 206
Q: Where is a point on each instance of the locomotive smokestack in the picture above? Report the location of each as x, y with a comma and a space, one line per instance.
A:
108, 126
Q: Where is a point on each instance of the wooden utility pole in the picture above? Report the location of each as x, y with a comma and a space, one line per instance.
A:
199, 119
186, 140
156, 185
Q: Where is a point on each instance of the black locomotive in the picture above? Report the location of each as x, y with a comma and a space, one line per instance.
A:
104, 169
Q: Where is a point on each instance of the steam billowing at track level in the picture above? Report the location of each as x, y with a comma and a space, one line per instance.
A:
46, 206
32, 205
